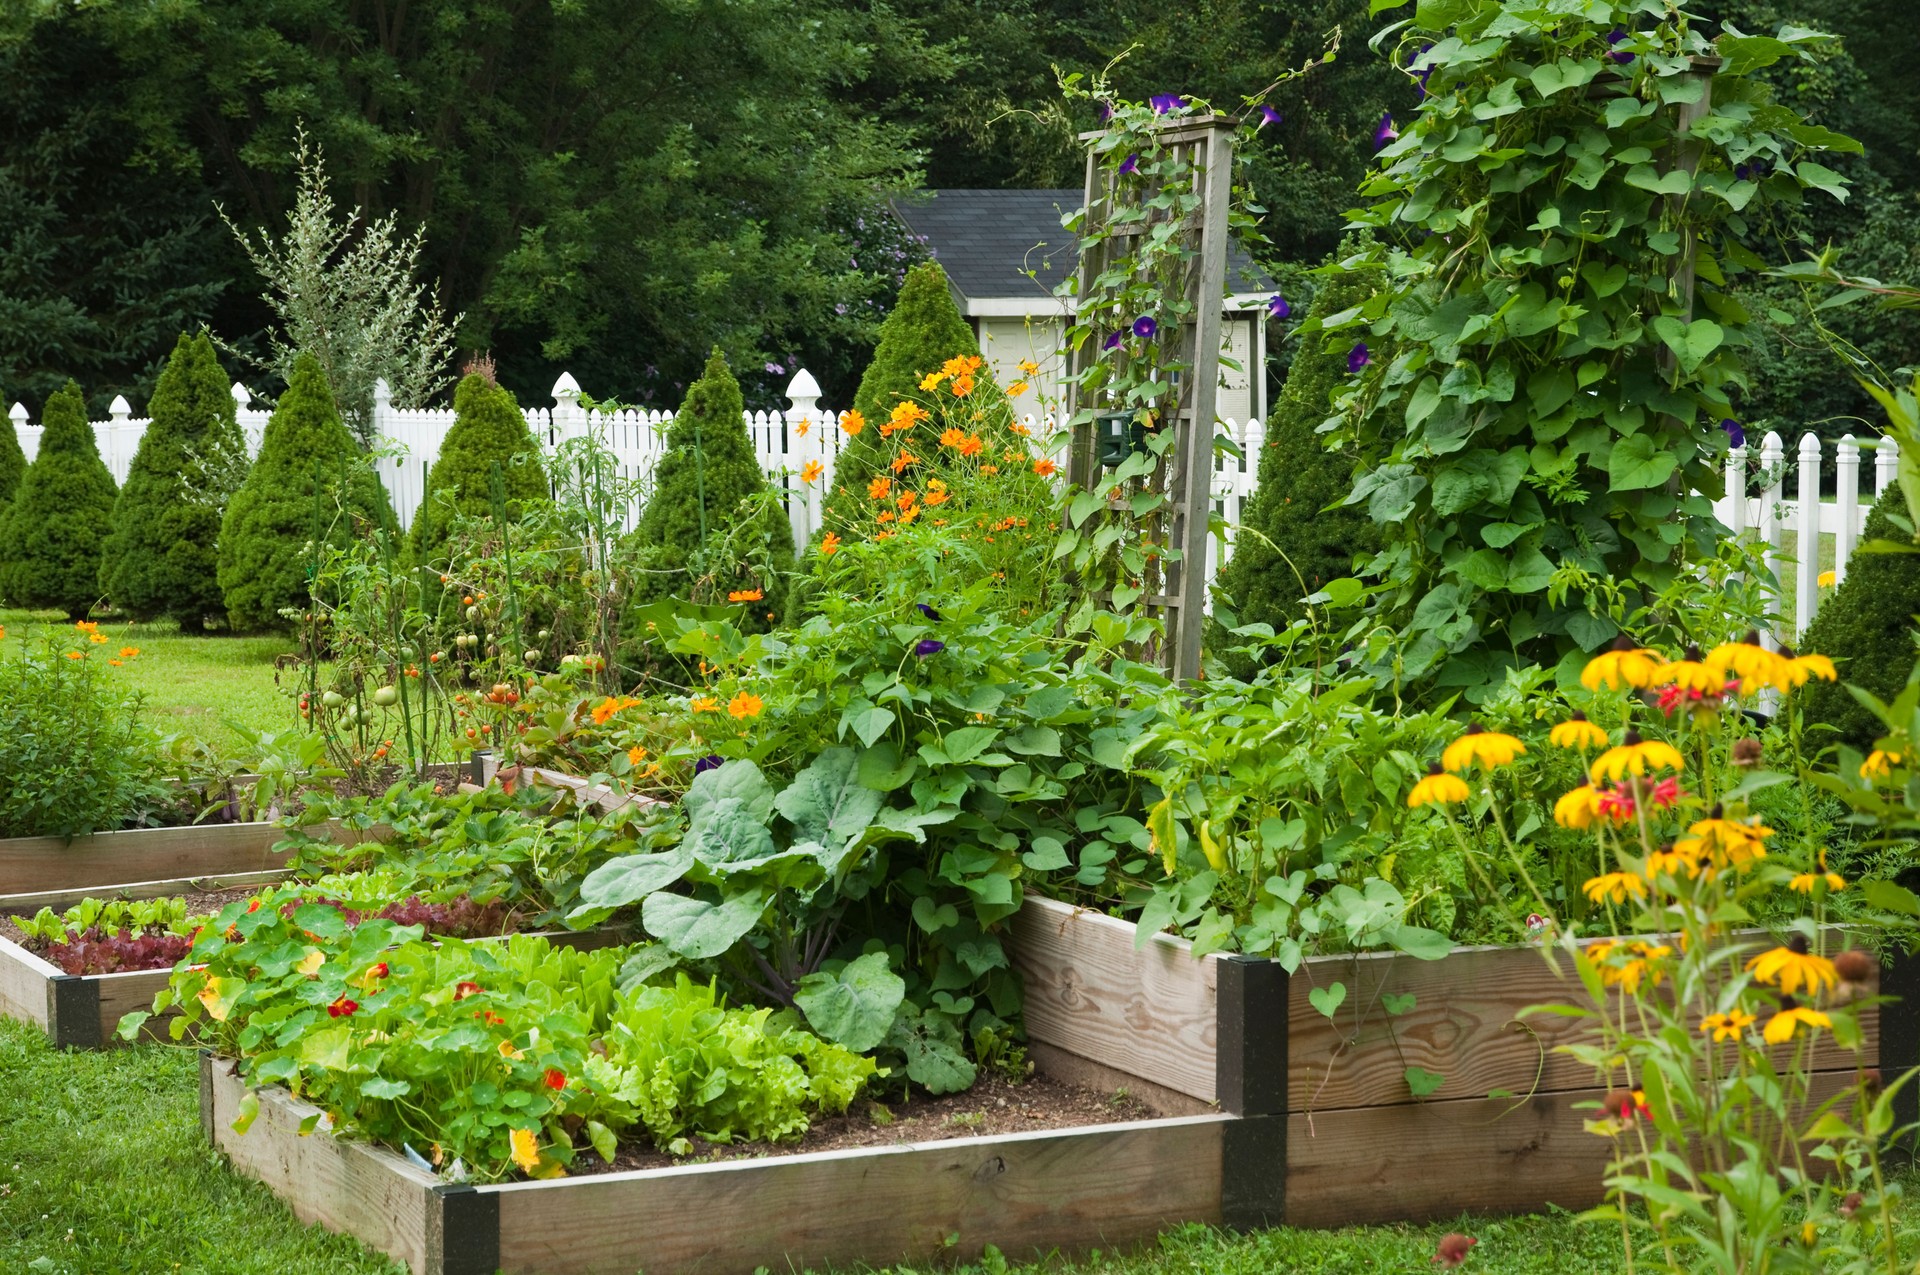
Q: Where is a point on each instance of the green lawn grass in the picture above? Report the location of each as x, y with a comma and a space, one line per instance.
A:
198, 685
103, 1171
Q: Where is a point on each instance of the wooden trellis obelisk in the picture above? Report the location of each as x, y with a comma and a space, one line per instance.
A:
1175, 586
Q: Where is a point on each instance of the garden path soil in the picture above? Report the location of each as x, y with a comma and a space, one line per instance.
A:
995, 1105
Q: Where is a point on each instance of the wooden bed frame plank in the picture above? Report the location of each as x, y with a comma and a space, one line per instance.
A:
1025, 1192
1150, 1012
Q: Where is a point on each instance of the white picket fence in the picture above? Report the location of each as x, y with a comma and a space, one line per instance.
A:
785, 442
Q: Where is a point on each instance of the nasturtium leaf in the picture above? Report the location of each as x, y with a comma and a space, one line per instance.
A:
698, 930
632, 877
376, 1087
855, 1005
1421, 1083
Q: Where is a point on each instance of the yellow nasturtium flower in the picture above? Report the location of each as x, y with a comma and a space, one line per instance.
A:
525, 1148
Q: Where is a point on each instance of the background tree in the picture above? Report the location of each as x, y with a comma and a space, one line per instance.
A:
1296, 534
60, 514
922, 332
1870, 627
13, 467
309, 483
161, 555
711, 527
348, 293
488, 430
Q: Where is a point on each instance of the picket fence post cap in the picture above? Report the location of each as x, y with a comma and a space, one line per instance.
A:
382, 392
120, 409
803, 385
18, 413
566, 390
241, 394
1810, 446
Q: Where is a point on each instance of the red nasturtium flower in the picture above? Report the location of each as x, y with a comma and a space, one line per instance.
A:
342, 1008
555, 1078
378, 971
253, 905
462, 990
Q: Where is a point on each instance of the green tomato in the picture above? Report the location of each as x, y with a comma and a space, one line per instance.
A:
333, 699
386, 695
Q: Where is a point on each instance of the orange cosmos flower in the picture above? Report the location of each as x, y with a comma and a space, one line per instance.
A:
745, 704
904, 459
830, 545
973, 445
1016, 389
953, 437
878, 488
811, 471
636, 755
853, 423
704, 704
745, 595
805, 424
1044, 467
75, 655
962, 386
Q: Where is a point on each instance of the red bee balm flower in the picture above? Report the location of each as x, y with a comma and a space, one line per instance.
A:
342, 1008
463, 990
555, 1078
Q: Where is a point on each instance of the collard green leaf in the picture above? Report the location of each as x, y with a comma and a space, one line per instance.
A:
854, 1005
631, 878
827, 803
698, 930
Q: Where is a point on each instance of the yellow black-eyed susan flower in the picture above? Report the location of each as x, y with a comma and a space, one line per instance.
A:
1489, 749
1782, 1026
1438, 788
1577, 733
1747, 660
1577, 809
1624, 667
1791, 969
1636, 756
1731, 1025
1690, 673
1616, 887
1879, 765
1796, 671
1808, 882
1673, 862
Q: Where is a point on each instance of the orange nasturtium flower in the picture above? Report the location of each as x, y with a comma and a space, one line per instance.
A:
745, 595
811, 471
745, 704
853, 423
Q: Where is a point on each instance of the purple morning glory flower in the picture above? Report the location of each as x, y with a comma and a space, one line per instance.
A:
1131, 164
928, 611
1616, 37
928, 646
1165, 102
1113, 340
1144, 327
774, 369
1386, 132
710, 762
1278, 307
1736, 437
1268, 116
1422, 74
1106, 112
1358, 358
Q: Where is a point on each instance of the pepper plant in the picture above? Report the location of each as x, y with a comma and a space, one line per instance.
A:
1562, 224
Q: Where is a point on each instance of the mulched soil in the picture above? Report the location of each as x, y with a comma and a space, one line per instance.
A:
995, 1105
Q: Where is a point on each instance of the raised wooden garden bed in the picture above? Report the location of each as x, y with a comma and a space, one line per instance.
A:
83, 1011
1078, 1188
1352, 1144
148, 863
